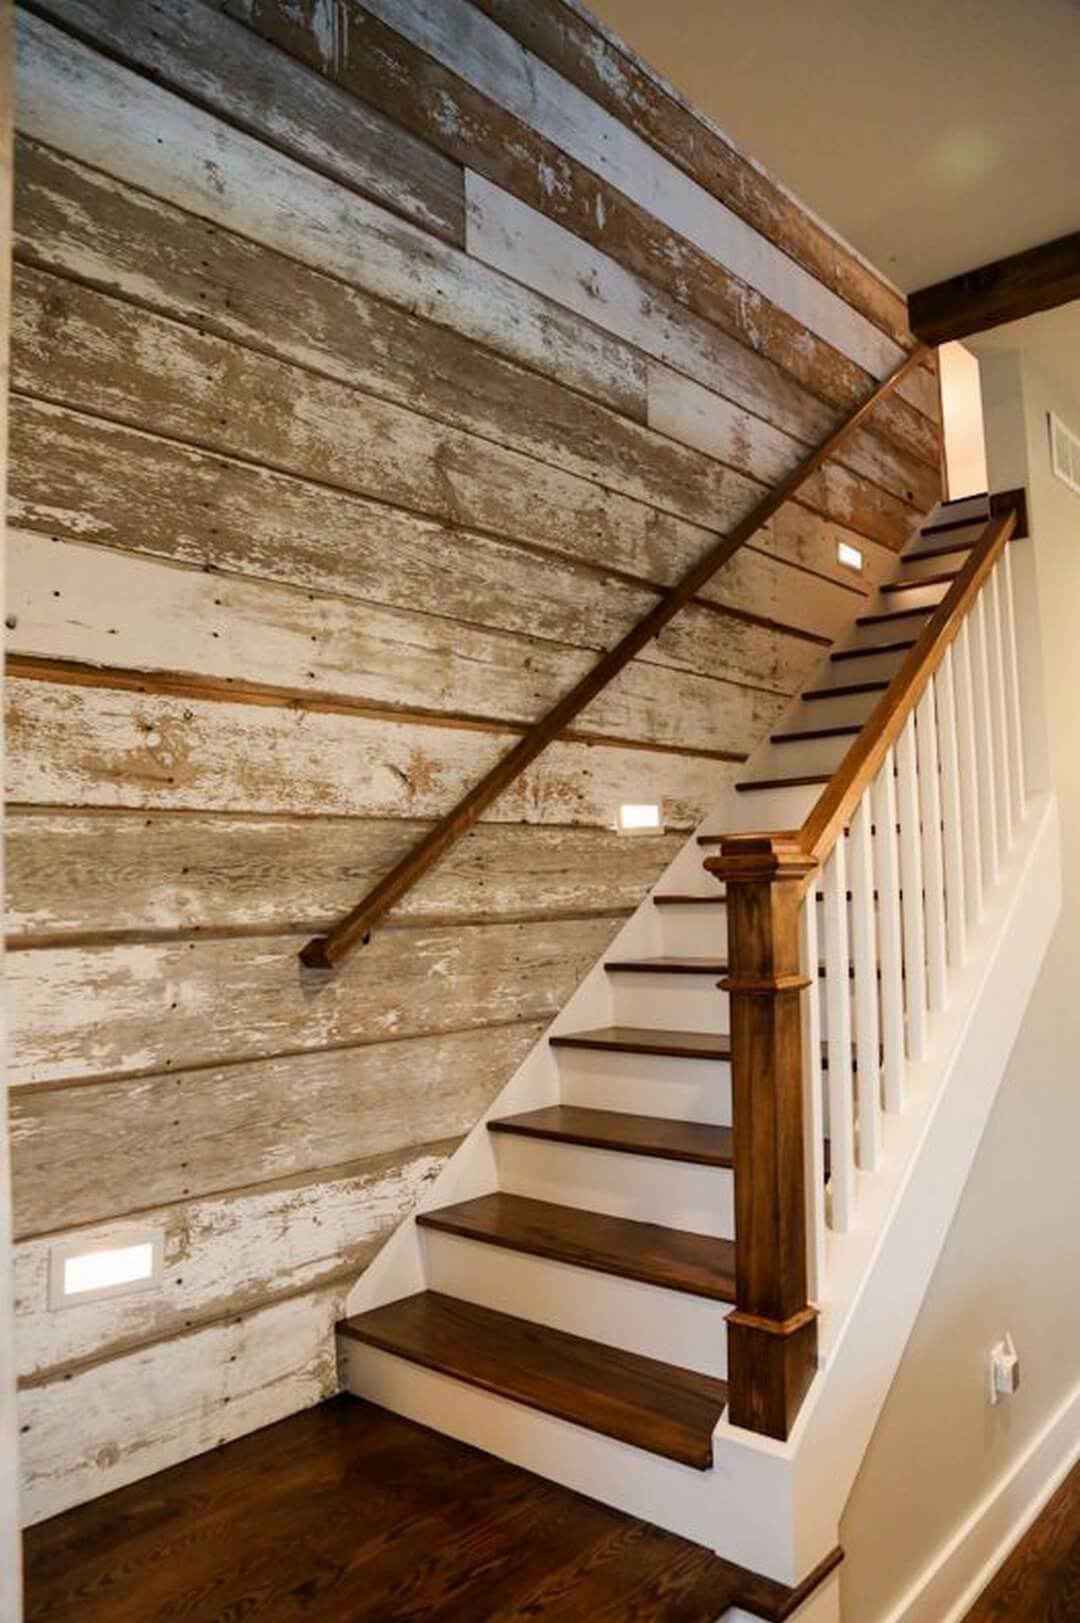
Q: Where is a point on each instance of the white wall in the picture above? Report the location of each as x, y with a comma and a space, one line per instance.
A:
962, 417
9, 1524
1012, 1258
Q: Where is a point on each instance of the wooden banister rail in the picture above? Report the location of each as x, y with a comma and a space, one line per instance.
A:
842, 794
772, 1332
324, 952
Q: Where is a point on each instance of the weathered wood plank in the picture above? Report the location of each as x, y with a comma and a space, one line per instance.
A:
198, 50
79, 476
122, 1010
124, 1419
73, 221
94, 606
73, 745
523, 242
97, 1151
91, 351
387, 70
606, 71
78, 101
224, 1255
146, 873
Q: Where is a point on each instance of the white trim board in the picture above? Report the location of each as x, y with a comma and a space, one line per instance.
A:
959, 1572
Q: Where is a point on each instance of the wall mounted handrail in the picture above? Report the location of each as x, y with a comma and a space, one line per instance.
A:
326, 951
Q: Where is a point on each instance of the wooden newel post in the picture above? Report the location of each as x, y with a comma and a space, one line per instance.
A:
772, 1332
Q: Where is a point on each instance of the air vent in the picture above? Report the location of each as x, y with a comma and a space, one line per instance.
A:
1065, 453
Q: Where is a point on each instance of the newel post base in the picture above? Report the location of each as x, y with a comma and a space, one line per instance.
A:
772, 1333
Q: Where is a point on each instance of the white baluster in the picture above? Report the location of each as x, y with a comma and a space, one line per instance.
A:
933, 860
971, 820
838, 1028
950, 811
999, 725
911, 886
890, 942
984, 744
864, 954
1012, 686
813, 1102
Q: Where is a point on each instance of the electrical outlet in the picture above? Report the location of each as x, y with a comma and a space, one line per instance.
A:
1004, 1370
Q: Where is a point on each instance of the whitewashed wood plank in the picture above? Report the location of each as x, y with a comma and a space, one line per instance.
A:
217, 63
227, 1254
511, 237
456, 34
118, 1010
97, 1151
77, 100
79, 476
96, 746
95, 606
127, 1418
150, 872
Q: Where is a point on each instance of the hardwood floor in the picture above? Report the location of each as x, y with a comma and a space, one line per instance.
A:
347, 1512
1040, 1582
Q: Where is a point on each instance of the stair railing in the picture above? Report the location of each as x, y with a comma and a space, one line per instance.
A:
325, 952
897, 856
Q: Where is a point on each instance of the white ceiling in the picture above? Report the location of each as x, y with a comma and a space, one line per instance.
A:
935, 135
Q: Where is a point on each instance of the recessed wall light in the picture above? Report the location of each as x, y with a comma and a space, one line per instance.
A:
115, 1263
640, 819
849, 556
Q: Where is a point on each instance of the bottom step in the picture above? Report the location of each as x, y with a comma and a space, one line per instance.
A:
667, 1411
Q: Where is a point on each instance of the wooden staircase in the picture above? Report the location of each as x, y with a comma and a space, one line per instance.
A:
588, 1185
591, 1280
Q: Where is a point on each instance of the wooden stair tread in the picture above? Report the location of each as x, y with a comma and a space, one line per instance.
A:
809, 734
944, 576
845, 690
894, 614
899, 647
698, 1142
804, 782
673, 899
948, 524
648, 1404
648, 1040
668, 966
697, 1264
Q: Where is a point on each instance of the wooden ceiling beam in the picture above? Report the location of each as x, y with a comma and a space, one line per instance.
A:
1021, 285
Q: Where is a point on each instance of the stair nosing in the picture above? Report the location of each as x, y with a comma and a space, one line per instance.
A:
759, 785
915, 585
894, 614
722, 1290
844, 690
689, 1446
516, 1126
680, 1045
666, 965
869, 652
674, 899
811, 734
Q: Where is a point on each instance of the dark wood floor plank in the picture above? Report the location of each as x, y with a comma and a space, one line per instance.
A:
638, 1400
695, 1263
1040, 1581
698, 1142
346, 1513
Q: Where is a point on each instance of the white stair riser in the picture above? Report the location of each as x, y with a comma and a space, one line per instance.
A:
775, 808
915, 567
908, 625
840, 709
640, 1484
647, 1084
690, 931
676, 1194
870, 667
675, 1002
803, 757
670, 1325
914, 597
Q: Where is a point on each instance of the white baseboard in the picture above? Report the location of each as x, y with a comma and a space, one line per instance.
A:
961, 1570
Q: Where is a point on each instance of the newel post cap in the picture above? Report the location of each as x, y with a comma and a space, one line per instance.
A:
757, 858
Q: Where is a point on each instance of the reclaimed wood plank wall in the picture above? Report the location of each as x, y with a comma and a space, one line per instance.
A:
374, 367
